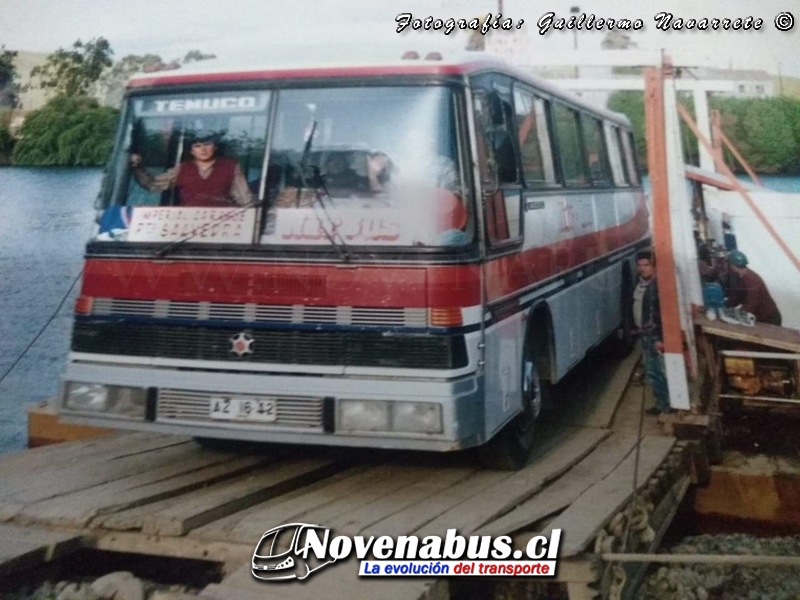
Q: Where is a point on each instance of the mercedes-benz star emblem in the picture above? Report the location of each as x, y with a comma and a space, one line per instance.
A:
242, 344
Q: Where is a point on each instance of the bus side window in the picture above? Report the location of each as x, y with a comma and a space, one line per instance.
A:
597, 153
616, 155
534, 140
630, 158
570, 146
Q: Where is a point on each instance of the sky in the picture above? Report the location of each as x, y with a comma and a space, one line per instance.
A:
254, 28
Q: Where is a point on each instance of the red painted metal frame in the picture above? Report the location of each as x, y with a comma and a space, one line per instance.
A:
662, 226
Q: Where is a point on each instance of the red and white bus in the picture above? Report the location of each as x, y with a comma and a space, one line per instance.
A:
424, 247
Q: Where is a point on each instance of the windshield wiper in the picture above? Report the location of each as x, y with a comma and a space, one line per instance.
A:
341, 246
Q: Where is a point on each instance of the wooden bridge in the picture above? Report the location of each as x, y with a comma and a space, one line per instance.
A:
166, 496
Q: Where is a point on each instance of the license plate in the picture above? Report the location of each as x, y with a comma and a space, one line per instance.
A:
243, 409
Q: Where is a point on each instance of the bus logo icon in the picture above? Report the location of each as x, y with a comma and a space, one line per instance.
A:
242, 344
283, 552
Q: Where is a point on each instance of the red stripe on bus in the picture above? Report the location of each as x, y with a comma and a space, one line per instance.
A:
511, 273
330, 285
309, 284
313, 73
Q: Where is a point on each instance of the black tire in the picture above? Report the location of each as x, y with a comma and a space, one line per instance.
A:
510, 449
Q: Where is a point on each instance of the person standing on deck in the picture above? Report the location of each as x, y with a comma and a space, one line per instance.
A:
750, 292
647, 318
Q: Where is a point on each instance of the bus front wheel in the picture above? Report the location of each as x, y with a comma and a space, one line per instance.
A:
511, 448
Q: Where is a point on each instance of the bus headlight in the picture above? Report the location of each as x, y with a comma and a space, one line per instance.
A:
417, 417
363, 415
87, 397
406, 417
92, 397
128, 402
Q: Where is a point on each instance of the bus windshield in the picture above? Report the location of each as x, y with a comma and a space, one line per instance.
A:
361, 166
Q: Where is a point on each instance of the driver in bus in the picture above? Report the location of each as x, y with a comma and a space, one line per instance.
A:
207, 180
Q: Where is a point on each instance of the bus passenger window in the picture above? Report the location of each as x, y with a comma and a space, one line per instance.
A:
618, 156
630, 158
534, 140
596, 148
570, 146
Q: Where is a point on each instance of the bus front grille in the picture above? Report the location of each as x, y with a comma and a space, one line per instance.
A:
331, 348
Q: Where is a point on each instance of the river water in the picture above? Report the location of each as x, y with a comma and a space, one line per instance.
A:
45, 219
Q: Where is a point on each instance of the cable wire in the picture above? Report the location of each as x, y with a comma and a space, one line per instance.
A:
636, 463
42, 330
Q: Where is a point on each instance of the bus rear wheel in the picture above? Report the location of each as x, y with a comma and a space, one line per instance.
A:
511, 448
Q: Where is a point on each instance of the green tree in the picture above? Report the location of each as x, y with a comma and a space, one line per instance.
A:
195, 56
631, 104
766, 131
9, 88
74, 72
6, 145
772, 145
68, 131
113, 80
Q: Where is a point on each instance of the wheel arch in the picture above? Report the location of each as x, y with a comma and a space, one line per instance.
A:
539, 332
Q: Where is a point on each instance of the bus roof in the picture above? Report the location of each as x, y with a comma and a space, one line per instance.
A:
398, 64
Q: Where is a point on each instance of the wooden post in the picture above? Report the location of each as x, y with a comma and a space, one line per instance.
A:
684, 246
716, 139
662, 237
740, 158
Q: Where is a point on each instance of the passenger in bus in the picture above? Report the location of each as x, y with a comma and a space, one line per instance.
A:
338, 178
750, 292
337, 173
647, 319
207, 180
379, 171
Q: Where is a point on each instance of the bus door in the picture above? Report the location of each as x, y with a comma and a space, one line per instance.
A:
502, 204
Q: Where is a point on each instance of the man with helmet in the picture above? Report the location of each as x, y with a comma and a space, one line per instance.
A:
749, 291
207, 180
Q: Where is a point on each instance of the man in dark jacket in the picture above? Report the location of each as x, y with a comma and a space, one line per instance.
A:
647, 318
750, 292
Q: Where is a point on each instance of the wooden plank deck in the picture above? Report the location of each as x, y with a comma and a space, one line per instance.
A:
773, 336
584, 517
25, 547
165, 495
